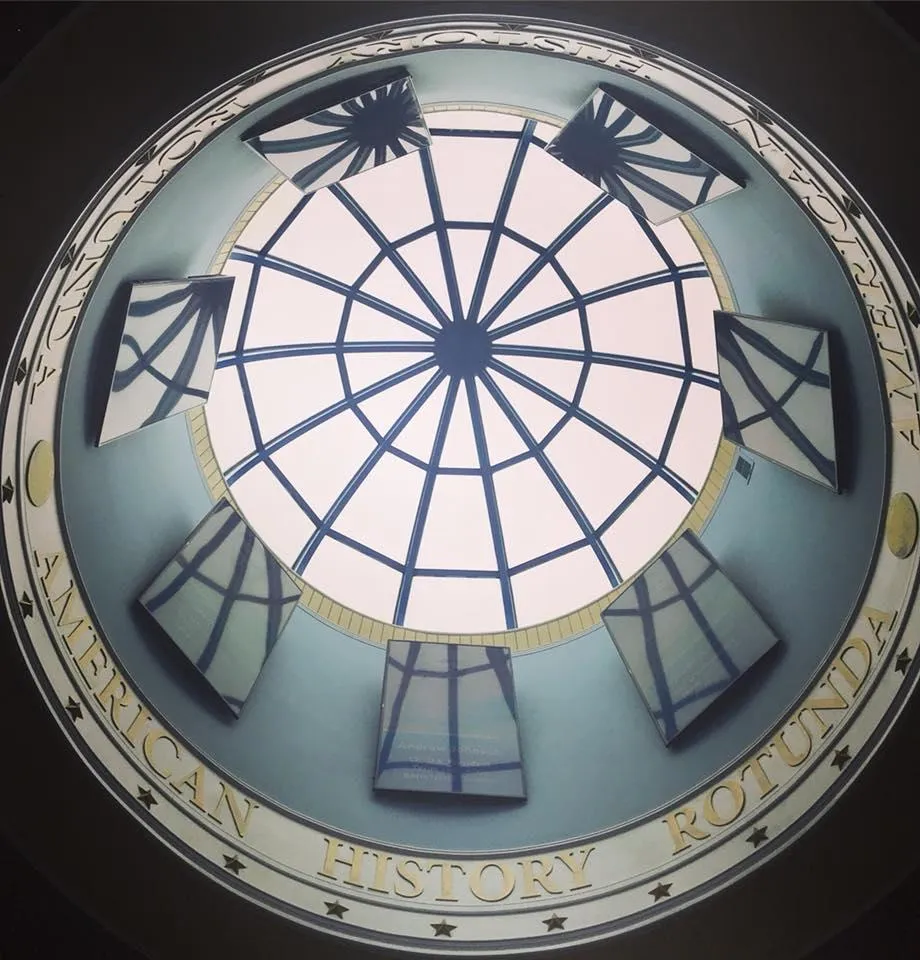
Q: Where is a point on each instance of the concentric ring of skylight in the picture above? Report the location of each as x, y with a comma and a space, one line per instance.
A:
465, 391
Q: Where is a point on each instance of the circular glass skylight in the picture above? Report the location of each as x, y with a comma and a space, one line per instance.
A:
465, 391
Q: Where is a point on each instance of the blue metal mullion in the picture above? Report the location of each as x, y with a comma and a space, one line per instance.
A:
291, 490
447, 257
247, 306
625, 503
466, 574
498, 221
609, 359
686, 490
577, 225
299, 429
421, 515
602, 293
257, 354
390, 252
600, 551
488, 486
282, 228
336, 286
474, 134
546, 557
365, 549
250, 413
350, 488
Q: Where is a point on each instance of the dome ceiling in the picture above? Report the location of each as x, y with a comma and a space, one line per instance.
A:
428, 314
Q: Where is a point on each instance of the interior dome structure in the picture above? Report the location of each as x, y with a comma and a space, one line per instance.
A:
460, 477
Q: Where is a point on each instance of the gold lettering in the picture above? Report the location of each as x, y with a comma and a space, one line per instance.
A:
709, 804
117, 701
72, 626
577, 869
240, 820
551, 44
829, 209
813, 703
476, 887
899, 382
47, 372
132, 734
195, 780
447, 878
786, 755
688, 829
908, 428
840, 664
87, 659
413, 878
150, 742
540, 876
381, 862
764, 784
354, 864
878, 619
50, 562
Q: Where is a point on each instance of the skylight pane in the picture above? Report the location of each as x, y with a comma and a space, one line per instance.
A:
385, 408
340, 249
460, 442
417, 438
701, 300
454, 605
598, 472
610, 395
610, 248
697, 435
270, 216
548, 197
639, 324
471, 175
678, 242
562, 331
560, 376
473, 120
285, 528
502, 440
655, 515
393, 196
539, 415
367, 369
398, 485
534, 518
321, 462
511, 260
241, 272
279, 393
367, 323
558, 586
541, 291
467, 249
388, 284
228, 421
354, 579
424, 257
457, 534
287, 310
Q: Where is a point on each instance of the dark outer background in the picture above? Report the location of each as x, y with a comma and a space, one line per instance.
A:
37, 920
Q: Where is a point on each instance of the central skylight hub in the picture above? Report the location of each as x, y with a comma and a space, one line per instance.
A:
463, 349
